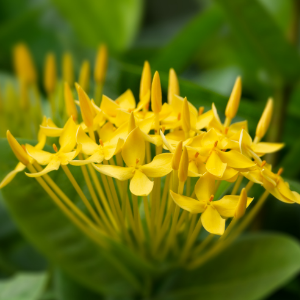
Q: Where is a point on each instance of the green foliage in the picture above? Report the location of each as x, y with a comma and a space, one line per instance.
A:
112, 22
48, 228
250, 269
261, 39
23, 286
180, 51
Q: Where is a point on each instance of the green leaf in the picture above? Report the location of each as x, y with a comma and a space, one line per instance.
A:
113, 270
112, 22
179, 52
23, 286
252, 268
261, 38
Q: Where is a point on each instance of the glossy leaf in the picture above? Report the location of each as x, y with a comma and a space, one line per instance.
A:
250, 269
112, 22
47, 227
261, 38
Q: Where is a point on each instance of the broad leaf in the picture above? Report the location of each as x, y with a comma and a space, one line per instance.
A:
250, 269
112, 22
178, 53
114, 270
23, 286
261, 38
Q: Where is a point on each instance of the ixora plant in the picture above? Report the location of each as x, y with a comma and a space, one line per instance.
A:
137, 202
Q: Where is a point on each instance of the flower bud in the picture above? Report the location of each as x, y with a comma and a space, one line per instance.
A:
87, 110
265, 120
68, 70
70, 103
173, 87
131, 123
101, 64
18, 150
84, 75
145, 84
183, 166
234, 100
242, 205
186, 122
177, 156
23, 64
50, 73
156, 97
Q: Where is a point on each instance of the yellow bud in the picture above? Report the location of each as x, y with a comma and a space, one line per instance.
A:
234, 100
50, 73
101, 64
67, 69
173, 88
145, 84
185, 120
70, 103
265, 120
18, 150
24, 96
84, 75
131, 122
156, 97
183, 166
23, 64
242, 205
86, 108
177, 156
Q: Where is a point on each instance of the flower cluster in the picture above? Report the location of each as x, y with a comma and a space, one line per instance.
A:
140, 165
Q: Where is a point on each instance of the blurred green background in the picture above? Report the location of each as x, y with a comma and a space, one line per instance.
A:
208, 43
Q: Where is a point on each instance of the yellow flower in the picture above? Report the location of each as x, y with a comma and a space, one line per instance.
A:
65, 154
255, 150
134, 157
214, 213
97, 153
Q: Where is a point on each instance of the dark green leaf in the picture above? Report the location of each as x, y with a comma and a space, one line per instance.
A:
250, 269
188, 41
261, 38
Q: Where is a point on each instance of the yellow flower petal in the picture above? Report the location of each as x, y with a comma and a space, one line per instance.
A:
115, 171
245, 141
11, 175
109, 106
266, 147
42, 157
53, 165
65, 158
215, 166
204, 120
87, 144
110, 150
212, 221
285, 190
205, 187
235, 159
126, 100
160, 166
189, 204
227, 205
140, 184
133, 151
67, 139
210, 138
